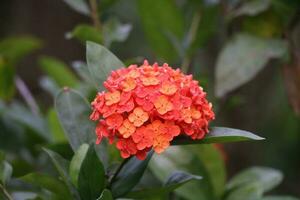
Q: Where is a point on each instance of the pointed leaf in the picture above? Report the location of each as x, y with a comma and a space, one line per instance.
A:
129, 175
57, 70
106, 195
266, 178
242, 58
220, 135
85, 33
49, 183
175, 180
5, 172
91, 179
100, 63
62, 166
76, 163
78, 5
73, 113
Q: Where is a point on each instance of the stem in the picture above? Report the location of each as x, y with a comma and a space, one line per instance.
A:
27, 96
6, 194
119, 169
190, 39
95, 14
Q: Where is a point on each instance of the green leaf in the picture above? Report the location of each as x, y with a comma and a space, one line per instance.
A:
82, 70
7, 85
265, 178
62, 167
76, 163
100, 63
115, 31
129, 175
242, 58
55, 127
49, 85
106, 195
24, 116
73, 113
78, 5
219, 135
14, 49
5, 172
251, 8
84, 32
58, 71
160, 19
91, 179
251, 191
175, 180
161, 165
49, 183
279, 198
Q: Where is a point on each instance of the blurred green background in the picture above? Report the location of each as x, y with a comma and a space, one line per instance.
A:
246, 54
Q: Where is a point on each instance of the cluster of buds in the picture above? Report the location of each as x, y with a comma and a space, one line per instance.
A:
146, 107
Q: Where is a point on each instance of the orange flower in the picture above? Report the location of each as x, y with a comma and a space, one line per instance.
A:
114, 121
112, 97
163, 105
168, 88
129, 84
146, 107
126, 129
138, 117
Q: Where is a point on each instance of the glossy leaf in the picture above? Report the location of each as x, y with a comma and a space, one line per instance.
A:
248, 192
73, 113
14, 49
76, 163
62, 167
251, 8
5, 172
78, 5
21, 114
242, 58
172, 160
58, 71
91, 179
49, 183
84, 32
175, 180
265, 178
49, 85
106, 195
160, 19
57, 131
129, 175
115, 31
220, 135
100, 63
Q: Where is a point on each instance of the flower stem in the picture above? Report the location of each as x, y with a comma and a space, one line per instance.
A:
6, 194
95, 14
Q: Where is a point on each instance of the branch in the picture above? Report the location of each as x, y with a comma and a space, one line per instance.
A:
6, 194
95, 14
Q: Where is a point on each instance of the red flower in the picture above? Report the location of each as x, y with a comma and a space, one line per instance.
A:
148, 106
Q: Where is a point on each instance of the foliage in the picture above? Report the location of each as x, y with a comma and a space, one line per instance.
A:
251, 35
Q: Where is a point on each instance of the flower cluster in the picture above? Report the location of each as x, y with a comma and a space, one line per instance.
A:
145, 107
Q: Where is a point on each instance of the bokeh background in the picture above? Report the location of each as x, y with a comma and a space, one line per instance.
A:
192, 33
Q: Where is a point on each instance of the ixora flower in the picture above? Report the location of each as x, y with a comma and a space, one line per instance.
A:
148, 106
